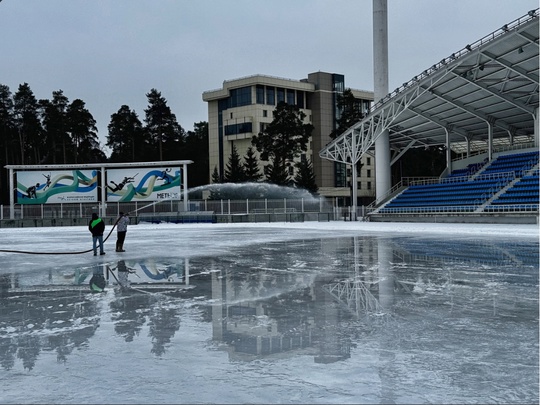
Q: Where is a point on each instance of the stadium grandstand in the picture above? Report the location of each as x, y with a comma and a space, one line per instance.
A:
481, 105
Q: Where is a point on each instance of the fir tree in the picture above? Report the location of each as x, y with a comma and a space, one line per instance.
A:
234, 172
305, 177
214, 191
251, 166
277, 173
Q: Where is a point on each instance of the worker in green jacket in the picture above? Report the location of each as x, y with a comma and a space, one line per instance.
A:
97, 227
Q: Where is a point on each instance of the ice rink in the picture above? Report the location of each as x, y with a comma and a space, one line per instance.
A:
334, 312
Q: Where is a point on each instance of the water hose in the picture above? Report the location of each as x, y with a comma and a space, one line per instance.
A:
81, 252
58, 253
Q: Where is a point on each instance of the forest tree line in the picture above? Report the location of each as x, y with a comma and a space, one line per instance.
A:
60, 131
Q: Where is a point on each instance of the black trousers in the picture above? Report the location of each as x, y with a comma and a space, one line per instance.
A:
120, 241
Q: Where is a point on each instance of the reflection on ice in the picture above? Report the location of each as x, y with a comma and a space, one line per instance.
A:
414, 318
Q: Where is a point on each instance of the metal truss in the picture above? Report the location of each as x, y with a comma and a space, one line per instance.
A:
354, 295
350, 146
490, 85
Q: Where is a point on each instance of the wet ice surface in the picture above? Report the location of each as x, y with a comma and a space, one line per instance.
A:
272, 313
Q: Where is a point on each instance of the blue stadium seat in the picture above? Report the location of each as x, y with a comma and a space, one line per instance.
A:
460, 192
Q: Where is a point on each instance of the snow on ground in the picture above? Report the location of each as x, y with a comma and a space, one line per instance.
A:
510, 230
61, 246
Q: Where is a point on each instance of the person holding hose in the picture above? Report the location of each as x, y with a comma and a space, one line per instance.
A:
97, 227
121, 230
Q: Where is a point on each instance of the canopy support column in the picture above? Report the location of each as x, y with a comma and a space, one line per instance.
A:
11, 195
448, 152
184, 183
536, 129
383, 178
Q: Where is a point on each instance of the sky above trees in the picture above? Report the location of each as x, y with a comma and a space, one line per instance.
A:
111, 53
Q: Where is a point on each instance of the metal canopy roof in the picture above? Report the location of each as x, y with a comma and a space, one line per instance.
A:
492, 81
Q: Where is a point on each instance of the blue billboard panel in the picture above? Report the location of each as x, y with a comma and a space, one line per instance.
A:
53, 187
144, 184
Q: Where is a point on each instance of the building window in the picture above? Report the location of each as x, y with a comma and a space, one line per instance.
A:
300, 99
280, 95
260, 94
270, 96
240, 97
369, 185
341, 174
231, 115
241, 128
359, 185
338, 82
368, 161
368, 173
290, 97
338, 85
265, 113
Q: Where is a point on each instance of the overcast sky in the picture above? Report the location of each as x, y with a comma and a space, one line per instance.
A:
113, 52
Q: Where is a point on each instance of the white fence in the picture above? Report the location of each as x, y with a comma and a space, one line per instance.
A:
173, 207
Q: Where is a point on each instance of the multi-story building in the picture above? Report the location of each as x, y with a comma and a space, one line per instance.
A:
244, 106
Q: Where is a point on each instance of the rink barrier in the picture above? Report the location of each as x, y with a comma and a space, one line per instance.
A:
233, 211
191, 218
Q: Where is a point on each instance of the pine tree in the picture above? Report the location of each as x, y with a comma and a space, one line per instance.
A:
283, 140
28, 125
8, 137
53, 117
126, 136
196, 149
166, 135
8, 133
305, 177
350, 112
251, 166
82, 129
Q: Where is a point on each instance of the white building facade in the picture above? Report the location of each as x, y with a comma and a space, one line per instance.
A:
244, 106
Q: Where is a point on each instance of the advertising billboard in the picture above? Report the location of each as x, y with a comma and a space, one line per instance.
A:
144, 184
53, 187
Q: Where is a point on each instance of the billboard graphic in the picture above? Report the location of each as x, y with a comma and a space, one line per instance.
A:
53, 187
143, 184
